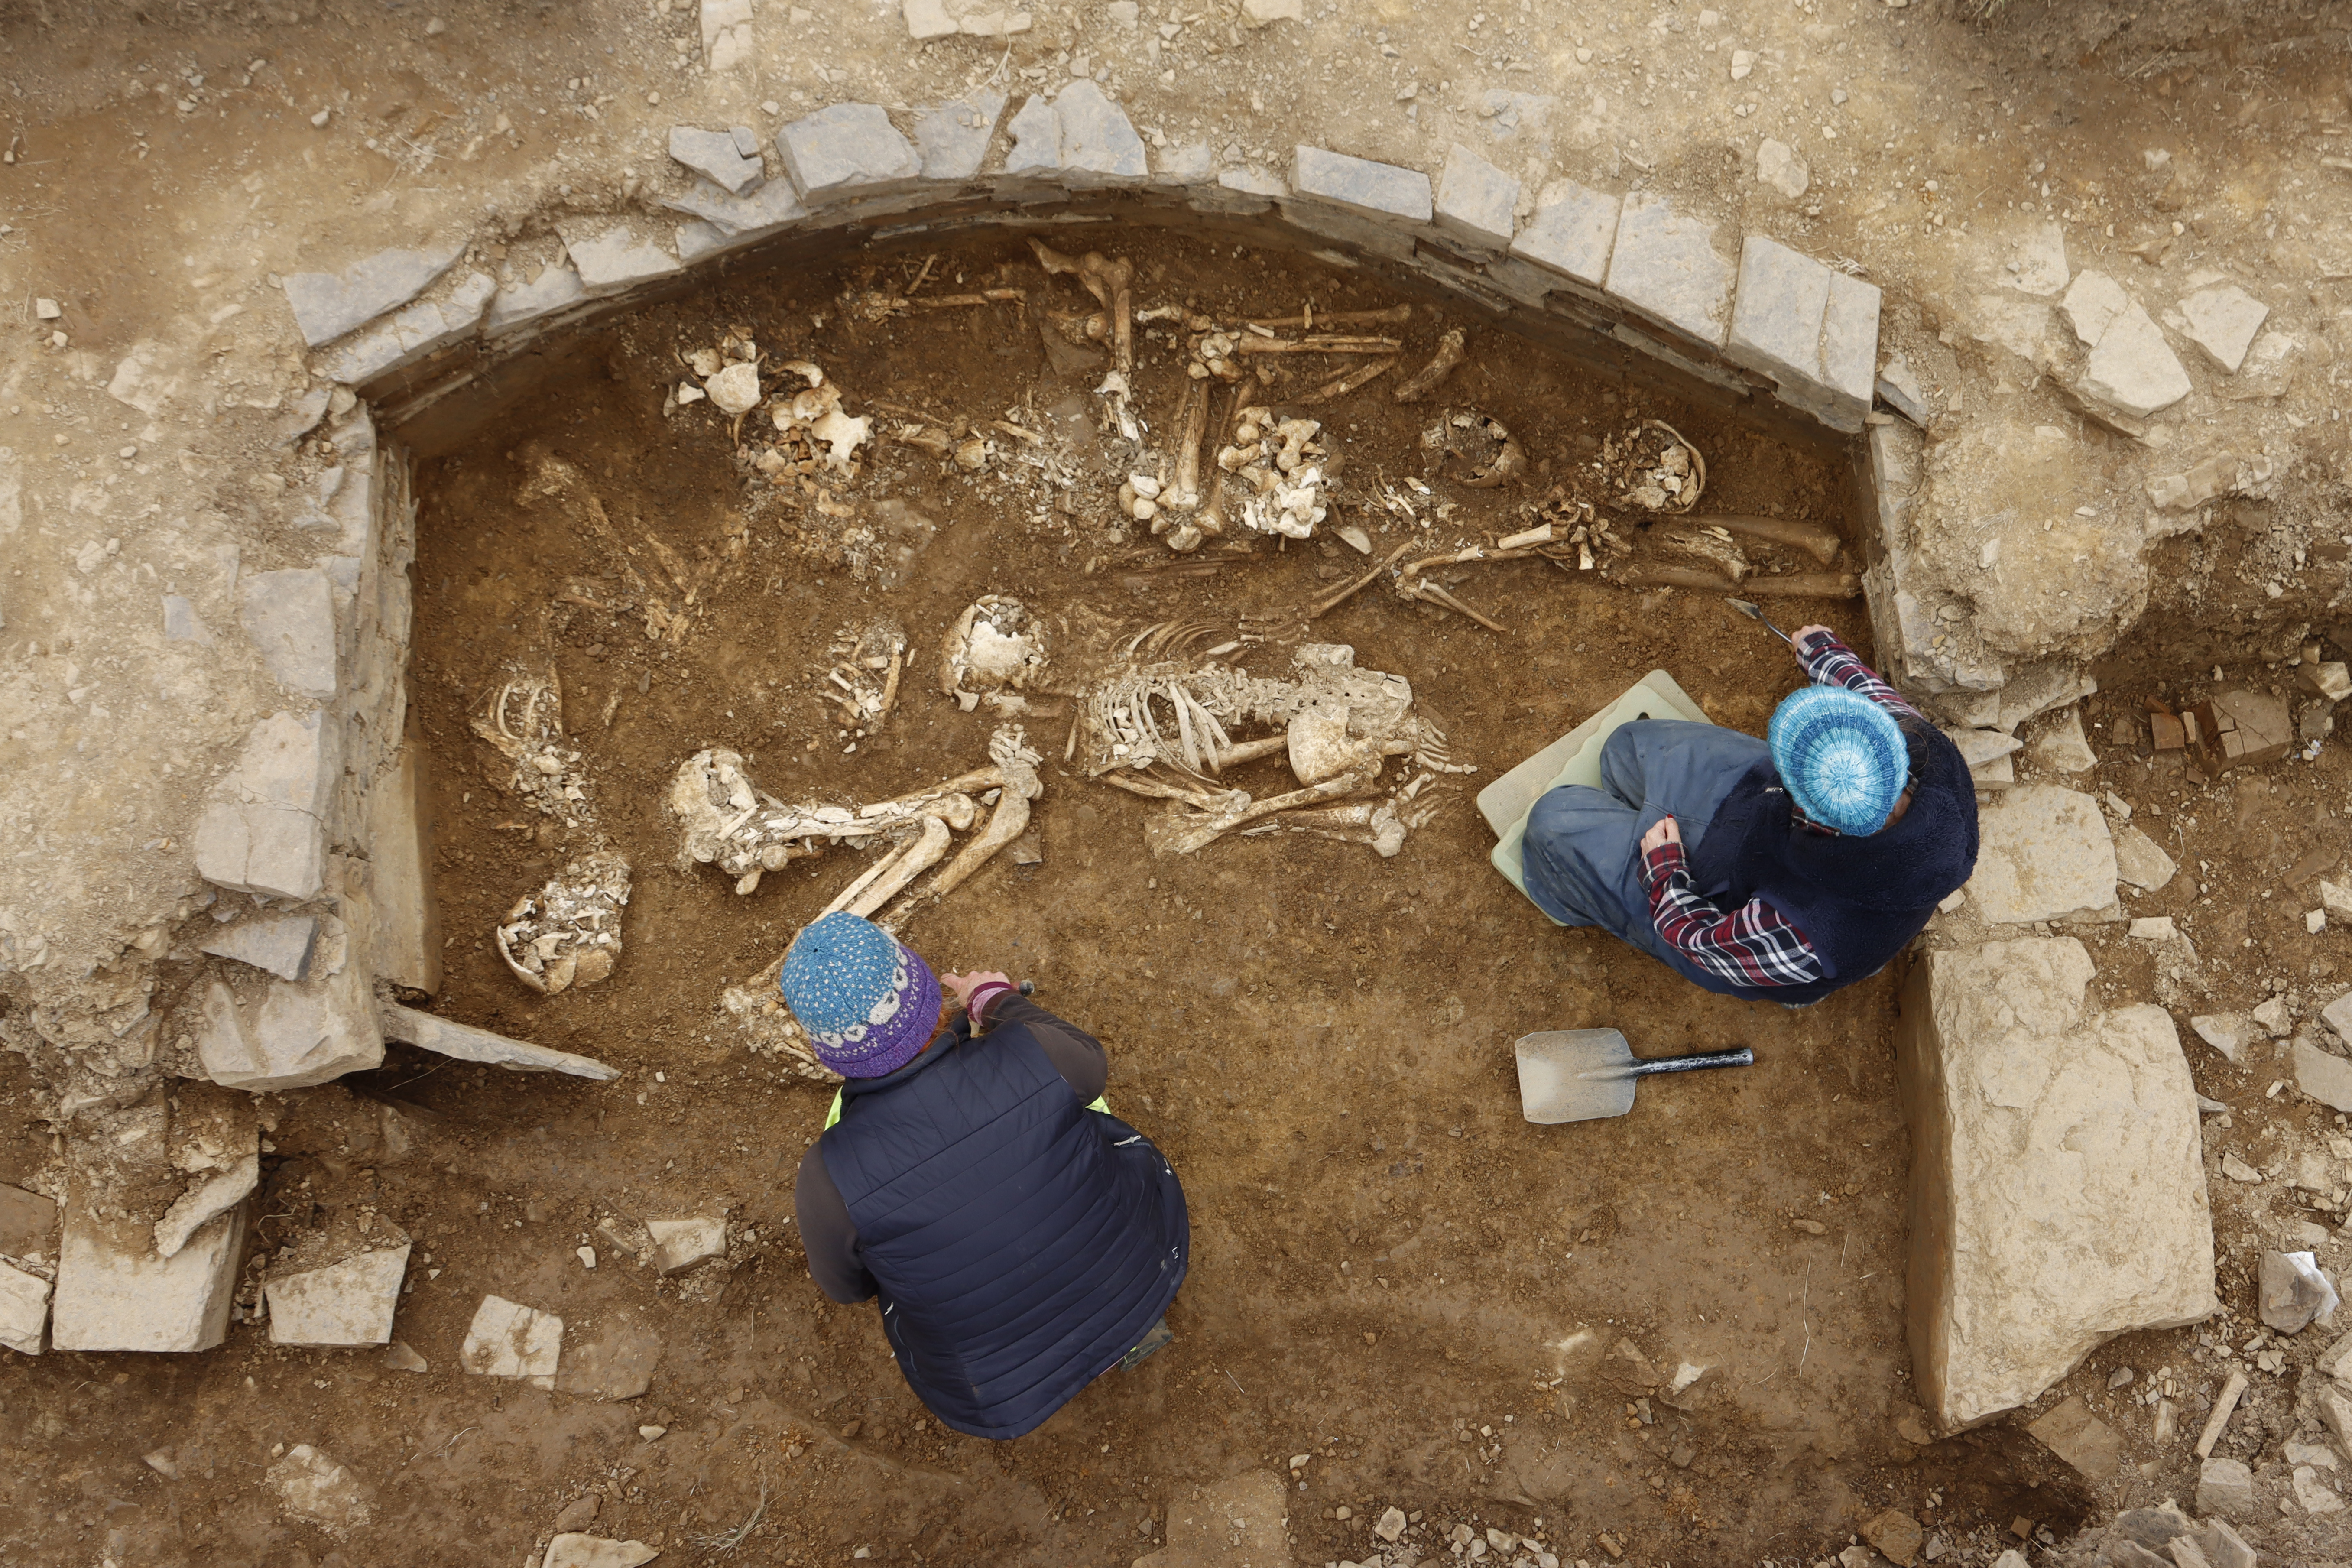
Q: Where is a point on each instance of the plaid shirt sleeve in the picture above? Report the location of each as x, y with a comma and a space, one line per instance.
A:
1829, 662
1755, 945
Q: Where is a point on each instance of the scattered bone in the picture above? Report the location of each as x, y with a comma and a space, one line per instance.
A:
812, 432
1711, 545
1442, 365
1394, 316
874, 305
523, 718
1008, 750
864, 682
1110, 282
996, 645
1282, 466
1339, 386
1247, 346
1653, 469
1487, 451
1787, 586
569, 932
547, 477
1819, 541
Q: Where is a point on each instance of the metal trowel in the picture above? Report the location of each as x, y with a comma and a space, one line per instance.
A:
1583, 1075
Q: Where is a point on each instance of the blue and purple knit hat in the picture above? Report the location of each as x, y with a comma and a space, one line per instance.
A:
869, 1005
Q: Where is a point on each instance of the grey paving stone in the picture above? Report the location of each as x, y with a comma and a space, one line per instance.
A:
2223, 321
181, 623
1475, 199
1036, 133
1571, 233
450, 1038
1192, 164
408, 335
1668, 267
1379, 236
1254, 182
290, 615
346, 1303
1849, 345
696, 239
555, 287
953, 138
747, 141
2132, 370
113, 1294
263, 831
1098, 144
302, 1033
1899, 387
614, 253
1359, 184
716, 156
771, 207
1776, 321
329, 304
847, 150
281, 945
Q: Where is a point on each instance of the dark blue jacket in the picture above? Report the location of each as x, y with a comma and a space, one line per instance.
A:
1858, 900
1021, 1243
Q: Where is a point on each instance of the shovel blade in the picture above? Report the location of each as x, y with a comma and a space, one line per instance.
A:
1575, 1074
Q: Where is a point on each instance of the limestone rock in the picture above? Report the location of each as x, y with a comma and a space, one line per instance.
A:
2070, 1431
2225, 1032
1782, 168
408, 335
595, 1552
680, 1243
2327, 1078
2092, 304
1665, 265
508, 1339
1896, 1534
264, 829
1236, 1521
346, 1303
1098, 144
315, 1487
614, 253
847, 150
2140, 861
2223, 1546
1572, 232
404, 927
297, 1035
290, 615
277, 944
2063, 747
953, 138
1475, 199
2293, 1293
2132, 369
2043, 853
2315, 1494
554, 289
718, 157
727, 39
1265, 12
115, 1294
215, 1140
2227, 1487
464, 1042
1361, 185
24, 1310
2223, 321
329, 304
2058, 1195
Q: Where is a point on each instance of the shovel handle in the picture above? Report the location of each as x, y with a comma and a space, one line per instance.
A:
1741, 1057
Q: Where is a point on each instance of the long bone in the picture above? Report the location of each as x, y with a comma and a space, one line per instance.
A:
882, 879
1180, 835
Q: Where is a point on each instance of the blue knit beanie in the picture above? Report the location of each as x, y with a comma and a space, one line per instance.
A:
869, 1005
1841, 757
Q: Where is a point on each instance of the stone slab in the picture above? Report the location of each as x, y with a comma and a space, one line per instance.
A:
1241, 1522
297, 1035
318, 1488
329, 304
680, 1243
1572, 234
1476, 201
1184, 163
182, 624
575, 1549
2141, 861
1098, 145
555, 288
1850, 342
27, 1221
1360, 185
2223, 321
2058, 1192
508, 1339
2091, 305
2069, 1430
463, 1041
847, 150
728, 41
290, 615
115, 1294
23, 1311
1666, 266
611, 255
264, 831
2132, 370
1036, 133
2043, 853
1813, 329
1898, 388
1254, 182
772, 207
953, 138
412, 333
2226, 1486
346, 1303
2325, 1077
716, 157
405, 935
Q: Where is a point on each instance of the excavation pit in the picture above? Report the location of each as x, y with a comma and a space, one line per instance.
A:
1683, 1323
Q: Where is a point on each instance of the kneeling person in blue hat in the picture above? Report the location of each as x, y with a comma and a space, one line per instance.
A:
1021, 1239
1778, 870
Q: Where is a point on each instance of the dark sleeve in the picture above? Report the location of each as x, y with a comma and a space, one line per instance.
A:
1078, 1055
1829, 662
826, 1231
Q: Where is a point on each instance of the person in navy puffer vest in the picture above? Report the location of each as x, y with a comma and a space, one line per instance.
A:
1779, 869
1021, 1239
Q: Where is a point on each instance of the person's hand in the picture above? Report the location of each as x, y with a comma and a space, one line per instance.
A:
961, 986
1797, 638
1666, 832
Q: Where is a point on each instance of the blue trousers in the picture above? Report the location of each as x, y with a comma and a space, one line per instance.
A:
1582, 859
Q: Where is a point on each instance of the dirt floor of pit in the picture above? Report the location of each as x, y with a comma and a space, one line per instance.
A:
1393, 1272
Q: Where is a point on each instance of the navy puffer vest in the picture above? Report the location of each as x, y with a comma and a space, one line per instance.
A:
1022, 1243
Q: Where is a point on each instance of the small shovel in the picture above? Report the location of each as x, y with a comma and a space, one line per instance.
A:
1755, 613
1583, 1075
